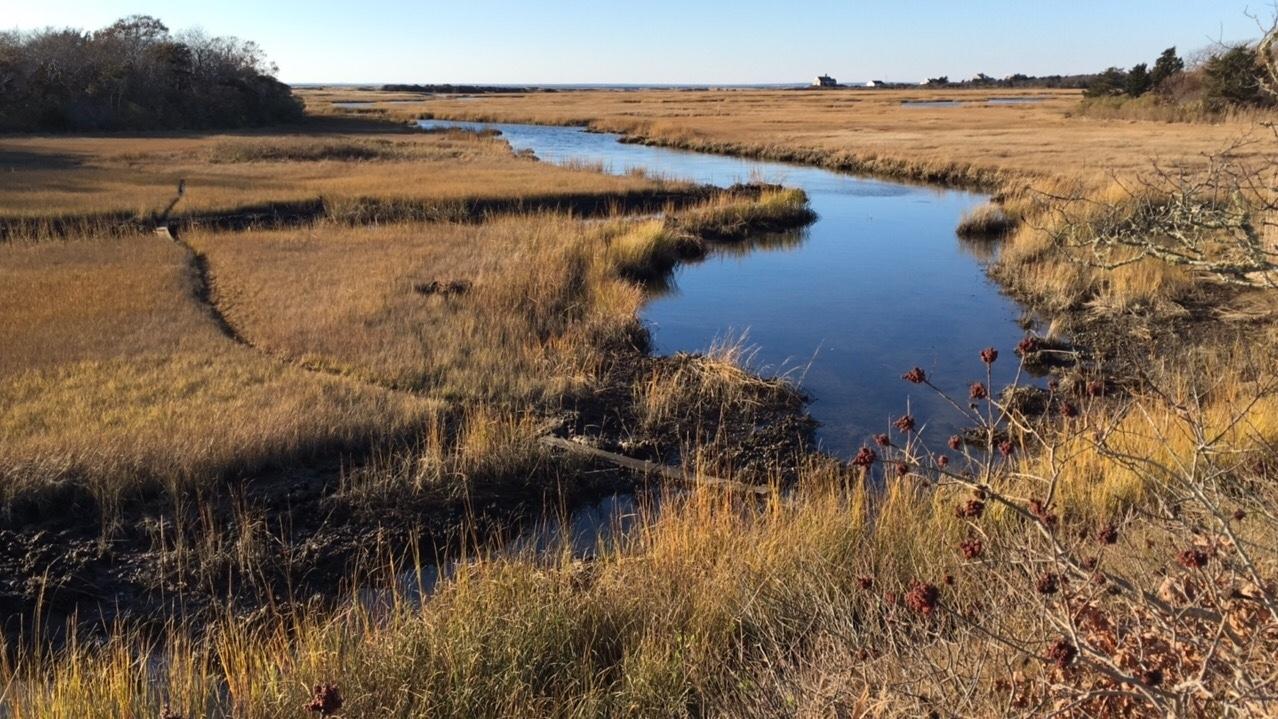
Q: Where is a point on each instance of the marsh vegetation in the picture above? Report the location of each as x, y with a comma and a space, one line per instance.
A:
263, 440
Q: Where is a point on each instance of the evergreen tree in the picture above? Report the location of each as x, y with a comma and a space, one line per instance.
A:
1139, 80
1111, 83
1167, 65
1234, 78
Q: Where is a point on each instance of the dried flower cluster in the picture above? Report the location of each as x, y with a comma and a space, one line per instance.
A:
865, 457
971, 509
1062, 653
972, 548
1192, 558
923, 598
326, 699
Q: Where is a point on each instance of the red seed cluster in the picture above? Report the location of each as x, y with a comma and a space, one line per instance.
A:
972, 548
1062, 653
942, 461
955, 442
989, 355
905, 423
883, 440
326, 699
1107, 534
1068, 410
1049, 583
915, 376
1192, 558
902, 469
1045, 515
1095, 388
865, 582
865, 457
1028, 345
923, 598
977, 391
1006, 448
971, 509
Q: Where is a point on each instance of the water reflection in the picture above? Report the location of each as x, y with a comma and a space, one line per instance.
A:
982, 249
877, 285
931, 103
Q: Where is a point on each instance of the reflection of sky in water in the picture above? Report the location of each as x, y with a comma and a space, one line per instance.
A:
931, 103
877, 285
974, 103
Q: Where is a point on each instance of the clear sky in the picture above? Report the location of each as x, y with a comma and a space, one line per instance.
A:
678, 41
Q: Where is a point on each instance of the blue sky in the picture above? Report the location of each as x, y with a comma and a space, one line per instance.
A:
678, 41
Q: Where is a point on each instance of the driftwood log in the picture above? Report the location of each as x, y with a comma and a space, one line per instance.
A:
674, 474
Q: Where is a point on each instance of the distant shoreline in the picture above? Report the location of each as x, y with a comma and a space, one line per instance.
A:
567, 86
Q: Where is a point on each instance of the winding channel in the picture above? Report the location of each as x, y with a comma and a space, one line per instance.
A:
878, 284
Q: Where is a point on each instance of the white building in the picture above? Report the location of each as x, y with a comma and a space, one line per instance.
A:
825, 81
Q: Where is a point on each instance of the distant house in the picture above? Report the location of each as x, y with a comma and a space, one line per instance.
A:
876, 83
825, 81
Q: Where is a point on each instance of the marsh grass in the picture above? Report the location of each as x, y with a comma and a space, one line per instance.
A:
856, 593
729, 219
133, 363
86, 180
307, 150
112, 372
712, 607
1025, 153
985, 221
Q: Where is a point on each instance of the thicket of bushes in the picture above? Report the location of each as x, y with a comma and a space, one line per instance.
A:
1230, 78
136, 75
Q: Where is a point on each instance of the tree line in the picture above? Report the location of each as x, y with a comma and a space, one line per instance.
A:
1018, 80
137, 75
1231, 77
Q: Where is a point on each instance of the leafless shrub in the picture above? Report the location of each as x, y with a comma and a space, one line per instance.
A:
1082, 618
1218, 217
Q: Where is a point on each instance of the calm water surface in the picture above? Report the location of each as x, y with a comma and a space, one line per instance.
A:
877, 285
931, 103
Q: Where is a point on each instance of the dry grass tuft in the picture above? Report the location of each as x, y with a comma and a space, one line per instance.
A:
986, 221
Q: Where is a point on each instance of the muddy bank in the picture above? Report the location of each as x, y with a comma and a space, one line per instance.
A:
373, 210
267, 539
